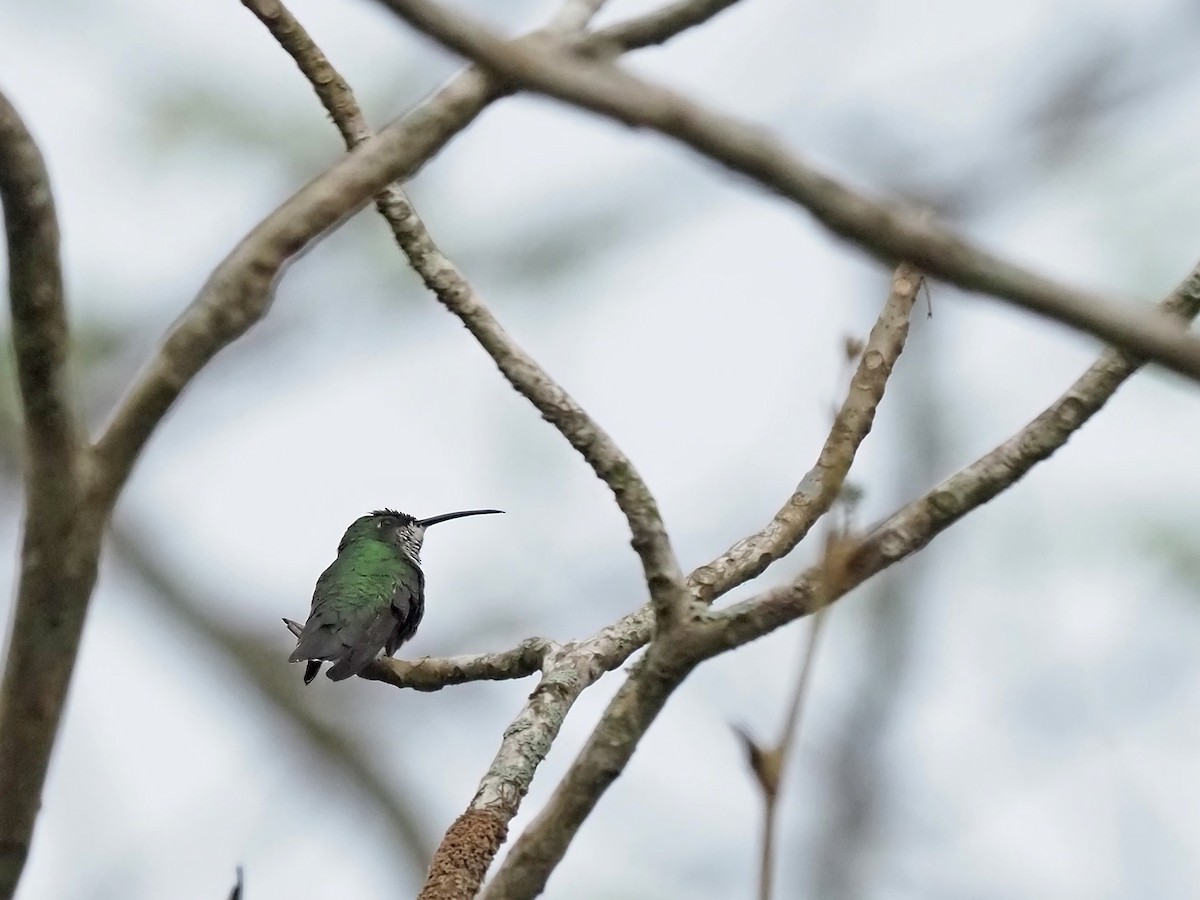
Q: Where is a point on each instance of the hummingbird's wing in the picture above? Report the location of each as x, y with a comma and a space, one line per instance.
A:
357, 611
408, 605
363, 646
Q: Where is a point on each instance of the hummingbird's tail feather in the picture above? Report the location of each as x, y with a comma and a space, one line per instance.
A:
363, 646
311, 670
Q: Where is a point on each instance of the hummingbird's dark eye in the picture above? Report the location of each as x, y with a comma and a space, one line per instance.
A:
387, 522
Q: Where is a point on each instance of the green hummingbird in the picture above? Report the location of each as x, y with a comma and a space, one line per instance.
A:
371, 598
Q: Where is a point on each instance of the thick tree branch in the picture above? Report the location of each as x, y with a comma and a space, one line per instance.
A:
629, 715
58, 554
887, 230
845, 565
465, 853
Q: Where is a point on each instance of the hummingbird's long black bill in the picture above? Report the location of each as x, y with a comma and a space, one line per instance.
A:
446, 517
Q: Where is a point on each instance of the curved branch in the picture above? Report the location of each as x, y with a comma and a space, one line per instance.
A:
472, 841
238, 293
39, 315
887, 230
820, 486
59, 548
846, 564
450, 286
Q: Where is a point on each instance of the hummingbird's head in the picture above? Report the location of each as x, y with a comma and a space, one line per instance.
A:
401, 530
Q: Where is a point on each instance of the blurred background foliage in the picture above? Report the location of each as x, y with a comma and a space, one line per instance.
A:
1013, 713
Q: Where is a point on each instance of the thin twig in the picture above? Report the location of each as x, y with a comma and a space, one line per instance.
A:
887, 230
575, 15
238, 293
434, 674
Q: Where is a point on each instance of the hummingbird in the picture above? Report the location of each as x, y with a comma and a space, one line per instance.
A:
371, 598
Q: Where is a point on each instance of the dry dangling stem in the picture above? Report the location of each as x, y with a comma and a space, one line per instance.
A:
768, 763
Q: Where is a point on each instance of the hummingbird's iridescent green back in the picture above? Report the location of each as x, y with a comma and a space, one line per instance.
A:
370, 599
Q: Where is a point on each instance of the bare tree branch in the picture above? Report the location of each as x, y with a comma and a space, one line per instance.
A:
612, 743
887, 230
58, 568
428, 674
477, 835
821, 485
659, 26
64, 529
450, 286
440, 275
669, 659
239, 291
471, 842
581, 664
915, 525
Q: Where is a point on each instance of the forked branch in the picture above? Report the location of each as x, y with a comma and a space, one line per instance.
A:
671, 657
614, 739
